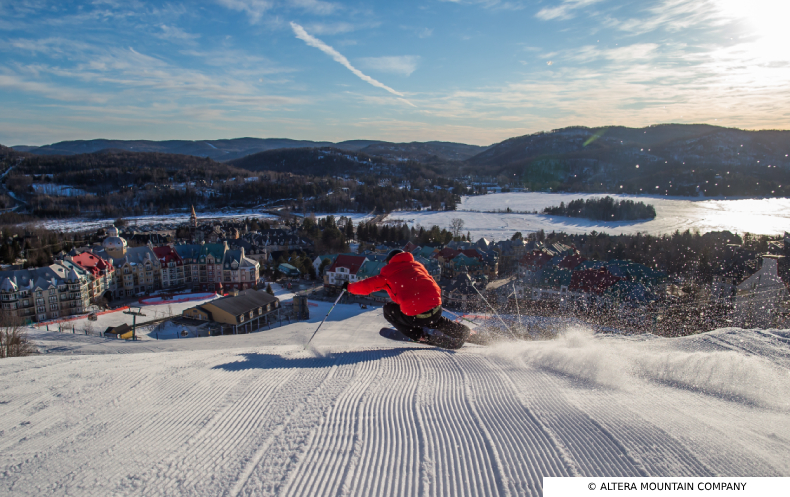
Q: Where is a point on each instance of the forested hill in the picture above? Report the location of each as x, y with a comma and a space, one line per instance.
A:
226, 150
669, 159
335, 162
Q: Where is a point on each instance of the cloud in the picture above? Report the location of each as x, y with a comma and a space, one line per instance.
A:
564, 10
403, 64
339, 58
254, 8
175, 33
333, 28
315, 6
420, 32
491, 4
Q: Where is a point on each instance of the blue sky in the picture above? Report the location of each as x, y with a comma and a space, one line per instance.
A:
473, 71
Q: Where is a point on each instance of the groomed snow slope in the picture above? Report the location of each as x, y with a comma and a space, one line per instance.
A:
361, 415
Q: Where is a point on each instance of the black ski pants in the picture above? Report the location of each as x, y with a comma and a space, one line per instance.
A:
412, 326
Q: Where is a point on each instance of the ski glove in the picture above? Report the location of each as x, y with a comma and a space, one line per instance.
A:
345, 285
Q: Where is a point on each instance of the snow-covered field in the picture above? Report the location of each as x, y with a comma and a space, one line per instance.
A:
361, 415
89, 224
761, 216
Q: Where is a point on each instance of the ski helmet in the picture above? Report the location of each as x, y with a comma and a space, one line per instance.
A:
393, 253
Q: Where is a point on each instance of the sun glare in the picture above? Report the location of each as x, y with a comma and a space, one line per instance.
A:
766, 21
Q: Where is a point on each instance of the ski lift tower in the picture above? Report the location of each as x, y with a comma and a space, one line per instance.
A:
134, 312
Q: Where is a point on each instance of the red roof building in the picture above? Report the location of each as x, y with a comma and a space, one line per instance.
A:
102, 272
93, 264
173, 271
350, 262
345, 268
166, 255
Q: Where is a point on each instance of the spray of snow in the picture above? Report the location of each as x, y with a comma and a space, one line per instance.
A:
628, 364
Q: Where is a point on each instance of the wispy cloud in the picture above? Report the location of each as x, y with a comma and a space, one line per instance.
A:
254, 8
174, 33
402, 64
565, 10
492, 4
312, 41
317, 7
333, 28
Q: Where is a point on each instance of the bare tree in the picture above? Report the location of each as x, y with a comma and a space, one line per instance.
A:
456, 225
13, 339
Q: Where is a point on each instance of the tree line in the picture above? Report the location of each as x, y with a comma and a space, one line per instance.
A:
604, 209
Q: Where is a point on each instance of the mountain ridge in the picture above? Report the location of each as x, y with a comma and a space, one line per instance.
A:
224, 150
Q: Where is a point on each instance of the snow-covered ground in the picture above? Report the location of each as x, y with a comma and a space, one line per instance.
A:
83, 326
761, 216
362, 415
89, 224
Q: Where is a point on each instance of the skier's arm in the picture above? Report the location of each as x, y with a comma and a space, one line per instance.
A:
368, 285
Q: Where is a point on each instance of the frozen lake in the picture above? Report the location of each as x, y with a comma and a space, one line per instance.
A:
760, 216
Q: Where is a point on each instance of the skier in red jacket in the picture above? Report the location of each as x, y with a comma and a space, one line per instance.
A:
416, 307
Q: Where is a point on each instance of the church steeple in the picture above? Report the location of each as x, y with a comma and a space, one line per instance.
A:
193, 218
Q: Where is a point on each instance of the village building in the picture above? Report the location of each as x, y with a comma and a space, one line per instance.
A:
41, 294
459, 293
344, 269
102, 274
190, 257
246, 312
172, 266
239, 272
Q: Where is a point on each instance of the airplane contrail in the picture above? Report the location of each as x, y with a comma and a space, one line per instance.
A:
312, 41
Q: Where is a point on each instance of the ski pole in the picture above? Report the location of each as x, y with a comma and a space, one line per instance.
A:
515, 296
495, 312
460, 317
322, 321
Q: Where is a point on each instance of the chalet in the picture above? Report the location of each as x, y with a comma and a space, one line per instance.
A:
248, 311
345, 268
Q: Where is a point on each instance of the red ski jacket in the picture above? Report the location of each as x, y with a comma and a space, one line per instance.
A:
407, 282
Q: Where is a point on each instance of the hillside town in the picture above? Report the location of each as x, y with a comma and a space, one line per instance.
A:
537, 276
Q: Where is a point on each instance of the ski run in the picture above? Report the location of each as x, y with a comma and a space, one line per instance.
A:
358, 414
